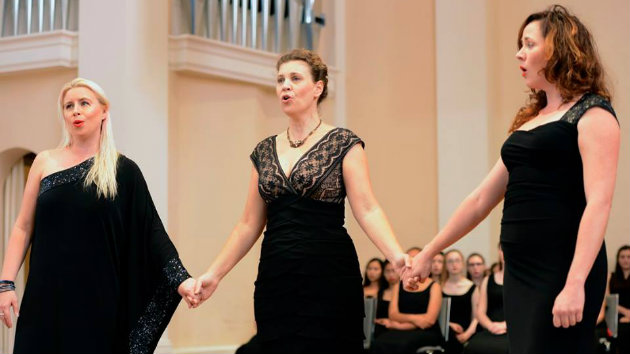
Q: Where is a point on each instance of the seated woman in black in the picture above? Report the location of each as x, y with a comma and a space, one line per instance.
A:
385, 298
493, 339
462, 322
620, 284
412, 320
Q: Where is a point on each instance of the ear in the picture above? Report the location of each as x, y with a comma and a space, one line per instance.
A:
105, 114
319, 88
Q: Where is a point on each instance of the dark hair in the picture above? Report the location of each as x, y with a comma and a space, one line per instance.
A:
474, 254
319, 70
618, 271
573, 64
382, 282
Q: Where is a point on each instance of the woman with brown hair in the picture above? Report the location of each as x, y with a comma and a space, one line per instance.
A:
557, 174
308, 296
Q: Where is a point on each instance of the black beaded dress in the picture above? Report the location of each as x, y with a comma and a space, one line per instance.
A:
308, 296
103, 273
543, 207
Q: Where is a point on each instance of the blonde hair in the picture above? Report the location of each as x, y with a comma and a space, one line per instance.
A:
103, 170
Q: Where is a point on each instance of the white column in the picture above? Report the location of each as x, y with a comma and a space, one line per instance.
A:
462, 110
123, 46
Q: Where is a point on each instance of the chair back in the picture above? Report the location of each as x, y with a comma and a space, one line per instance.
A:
445, 316
369, 304
612, 313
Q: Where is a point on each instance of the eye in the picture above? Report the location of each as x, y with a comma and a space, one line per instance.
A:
68, 106
279, 80
295, 78
85, 103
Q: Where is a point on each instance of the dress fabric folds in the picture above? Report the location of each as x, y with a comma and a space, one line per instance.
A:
308, 294
103, 273
543, 207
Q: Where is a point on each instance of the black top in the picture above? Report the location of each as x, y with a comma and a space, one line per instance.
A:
309, 278
103, 273
620, 285
382, 306
415, 302
461, 307
494, 310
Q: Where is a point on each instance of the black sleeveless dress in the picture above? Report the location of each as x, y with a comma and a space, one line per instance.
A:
103, 274
395, 341
461, 313
543, 207
308, 295
484, 341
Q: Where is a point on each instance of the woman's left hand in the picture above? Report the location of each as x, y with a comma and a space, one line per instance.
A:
569, 306
187, 290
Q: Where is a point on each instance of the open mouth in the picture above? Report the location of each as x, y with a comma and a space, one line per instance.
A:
523, 70
286, 97
78, 123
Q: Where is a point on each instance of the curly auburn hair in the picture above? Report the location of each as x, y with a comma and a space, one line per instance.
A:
573, 64
319, 70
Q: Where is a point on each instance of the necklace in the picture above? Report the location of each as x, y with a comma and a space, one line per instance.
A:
298, 143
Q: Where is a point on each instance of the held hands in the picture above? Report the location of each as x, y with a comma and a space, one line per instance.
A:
497, 328
568, 307
187, 291
205, 286
402, 266
8, 299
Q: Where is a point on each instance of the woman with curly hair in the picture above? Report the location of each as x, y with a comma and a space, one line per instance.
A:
557, 174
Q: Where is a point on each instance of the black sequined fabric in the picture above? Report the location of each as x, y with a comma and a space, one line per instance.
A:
99, 268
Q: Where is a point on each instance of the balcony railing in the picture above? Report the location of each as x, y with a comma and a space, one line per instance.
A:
24, 17
267, 25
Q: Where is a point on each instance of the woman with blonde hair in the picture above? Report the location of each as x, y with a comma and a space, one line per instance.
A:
104, 276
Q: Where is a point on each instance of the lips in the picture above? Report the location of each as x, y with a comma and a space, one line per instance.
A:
523, 71
78, 122
286, 98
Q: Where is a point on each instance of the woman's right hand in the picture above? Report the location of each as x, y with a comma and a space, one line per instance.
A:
8, 299
205, 286
421, 266
497, 328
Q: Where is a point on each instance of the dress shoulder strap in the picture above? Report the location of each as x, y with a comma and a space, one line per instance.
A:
586, 102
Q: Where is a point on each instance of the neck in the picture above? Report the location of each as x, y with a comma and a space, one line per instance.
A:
626, 273
85, 147
554, 98
302, 124
454, 278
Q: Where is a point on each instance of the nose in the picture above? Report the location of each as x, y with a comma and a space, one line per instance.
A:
519, 55
286, 84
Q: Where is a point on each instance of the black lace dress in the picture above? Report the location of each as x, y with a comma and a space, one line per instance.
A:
103, 273
308, 295
542, 211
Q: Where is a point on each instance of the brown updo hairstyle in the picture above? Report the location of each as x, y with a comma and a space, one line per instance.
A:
573, 64
319, 70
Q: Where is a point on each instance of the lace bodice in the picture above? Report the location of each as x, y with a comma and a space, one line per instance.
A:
316, 175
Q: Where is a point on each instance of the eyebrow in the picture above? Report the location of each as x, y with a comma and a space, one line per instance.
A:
80, 99
291, 73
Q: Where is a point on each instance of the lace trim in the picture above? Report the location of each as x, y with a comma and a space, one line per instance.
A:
317, 174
